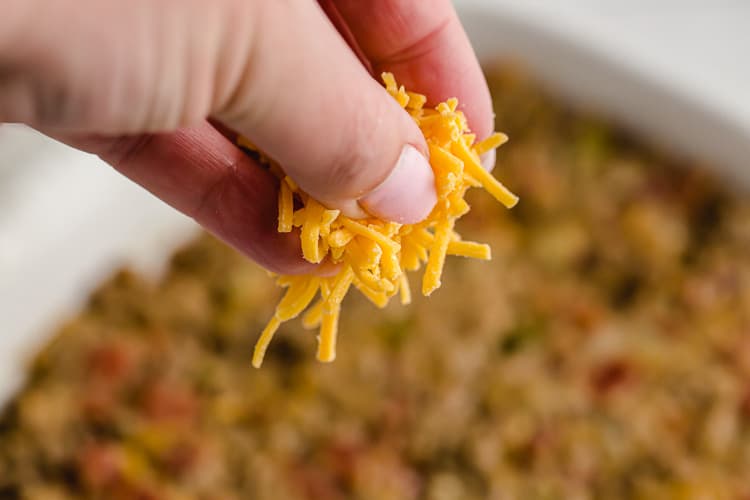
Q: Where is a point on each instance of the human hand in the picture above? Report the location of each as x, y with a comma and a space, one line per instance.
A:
158, 88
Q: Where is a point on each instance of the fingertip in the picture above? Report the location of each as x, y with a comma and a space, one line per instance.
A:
407, 195
489, 159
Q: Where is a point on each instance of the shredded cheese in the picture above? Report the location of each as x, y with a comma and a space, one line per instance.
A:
286, 207
374, 255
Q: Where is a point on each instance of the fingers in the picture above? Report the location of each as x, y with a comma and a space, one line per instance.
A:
277, 72
425, 46
200, 173
311, 105
115, 67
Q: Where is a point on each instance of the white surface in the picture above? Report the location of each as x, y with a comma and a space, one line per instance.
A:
701, 47
677, 69
66, 220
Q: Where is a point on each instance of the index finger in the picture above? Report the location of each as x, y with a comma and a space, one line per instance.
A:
425, 46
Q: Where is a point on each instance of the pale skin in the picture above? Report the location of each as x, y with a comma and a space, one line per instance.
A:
158, 89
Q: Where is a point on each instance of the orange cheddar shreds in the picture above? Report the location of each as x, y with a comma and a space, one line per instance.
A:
380, 299
370, 232
340, 237
492, 142
265, 339
329, 327
311, 231
476, 171
470, 249
439, 248
244, 142
416, 101
374, 255
313, 316
340, 286
286, 208
292, 185
402, 97
404, 289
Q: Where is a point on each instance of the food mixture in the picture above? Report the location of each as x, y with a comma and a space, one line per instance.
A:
603, 353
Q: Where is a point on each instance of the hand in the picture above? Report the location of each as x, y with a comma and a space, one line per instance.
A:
155, 88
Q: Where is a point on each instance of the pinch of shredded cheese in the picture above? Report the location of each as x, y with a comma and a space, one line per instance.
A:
374, 255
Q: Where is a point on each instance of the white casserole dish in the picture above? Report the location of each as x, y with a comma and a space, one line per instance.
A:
67, 220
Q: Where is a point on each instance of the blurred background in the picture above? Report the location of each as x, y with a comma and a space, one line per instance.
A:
666, 83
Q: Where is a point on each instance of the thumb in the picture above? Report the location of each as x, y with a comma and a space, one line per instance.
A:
309, 103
